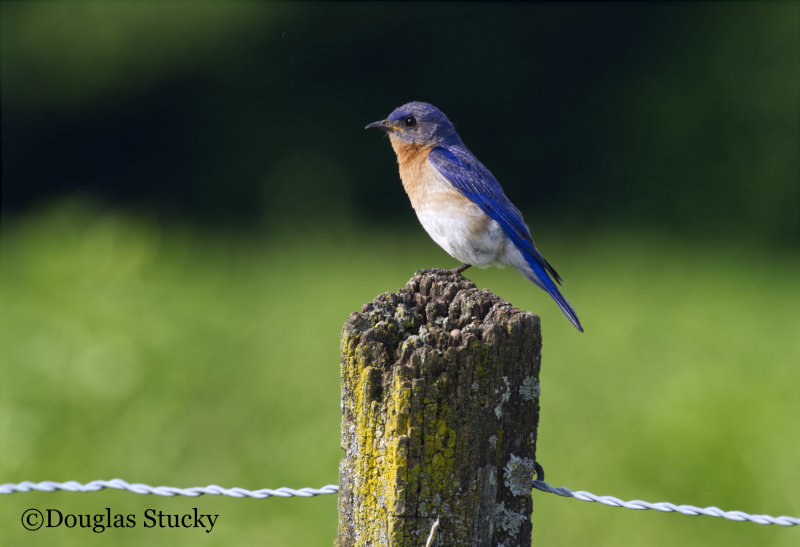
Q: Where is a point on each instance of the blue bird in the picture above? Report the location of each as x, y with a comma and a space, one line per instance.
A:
460, 203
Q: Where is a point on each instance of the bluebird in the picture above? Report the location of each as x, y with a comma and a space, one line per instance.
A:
460, 203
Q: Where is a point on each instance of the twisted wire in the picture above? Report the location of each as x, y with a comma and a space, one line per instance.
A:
666, 506
139, 488
284, 492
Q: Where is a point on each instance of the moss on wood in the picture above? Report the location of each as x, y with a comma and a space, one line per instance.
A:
440, 405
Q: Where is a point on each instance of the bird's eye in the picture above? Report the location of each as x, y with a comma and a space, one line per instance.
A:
411, 121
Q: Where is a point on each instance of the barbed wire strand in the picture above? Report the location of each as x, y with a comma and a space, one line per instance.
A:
215, 490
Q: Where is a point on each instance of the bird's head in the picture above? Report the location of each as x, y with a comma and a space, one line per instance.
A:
417, 123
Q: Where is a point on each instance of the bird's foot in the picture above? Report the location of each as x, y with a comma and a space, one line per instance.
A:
461, 268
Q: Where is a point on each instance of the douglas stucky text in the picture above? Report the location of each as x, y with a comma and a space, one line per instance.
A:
35, 519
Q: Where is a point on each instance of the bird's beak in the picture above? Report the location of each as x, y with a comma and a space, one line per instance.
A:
386, 125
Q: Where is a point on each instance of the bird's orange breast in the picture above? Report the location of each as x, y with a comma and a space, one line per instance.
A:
412, 160
425, 187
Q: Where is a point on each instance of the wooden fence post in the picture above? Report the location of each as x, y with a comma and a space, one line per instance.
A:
440, 405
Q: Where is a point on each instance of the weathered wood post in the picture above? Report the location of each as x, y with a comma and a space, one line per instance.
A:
440, 405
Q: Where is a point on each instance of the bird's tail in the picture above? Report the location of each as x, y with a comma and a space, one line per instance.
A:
541, 278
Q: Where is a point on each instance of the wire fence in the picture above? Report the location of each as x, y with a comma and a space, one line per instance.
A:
214, 490
139, 488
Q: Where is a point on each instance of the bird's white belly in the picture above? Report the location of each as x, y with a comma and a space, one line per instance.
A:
453, 221
469, 236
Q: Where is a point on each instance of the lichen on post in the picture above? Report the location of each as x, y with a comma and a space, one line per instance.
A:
440, 406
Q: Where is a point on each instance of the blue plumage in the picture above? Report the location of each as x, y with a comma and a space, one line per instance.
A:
423, 137
477, 183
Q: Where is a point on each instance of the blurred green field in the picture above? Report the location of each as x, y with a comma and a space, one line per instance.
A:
162, 354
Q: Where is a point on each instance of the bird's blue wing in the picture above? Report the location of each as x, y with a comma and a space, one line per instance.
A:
471, 178
476, 182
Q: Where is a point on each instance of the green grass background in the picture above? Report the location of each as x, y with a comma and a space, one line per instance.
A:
165, 354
